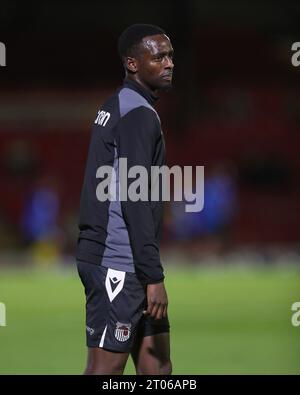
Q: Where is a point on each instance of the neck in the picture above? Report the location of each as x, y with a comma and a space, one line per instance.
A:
135, 78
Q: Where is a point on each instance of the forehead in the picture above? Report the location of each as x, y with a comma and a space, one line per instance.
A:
156, 44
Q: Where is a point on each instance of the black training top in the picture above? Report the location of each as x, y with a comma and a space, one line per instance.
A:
123, 235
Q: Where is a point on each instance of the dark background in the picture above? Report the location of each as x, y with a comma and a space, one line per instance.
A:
235, 106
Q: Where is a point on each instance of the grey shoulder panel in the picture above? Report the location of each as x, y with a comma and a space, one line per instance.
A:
129, 100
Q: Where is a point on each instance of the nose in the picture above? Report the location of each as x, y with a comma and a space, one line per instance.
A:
169, 63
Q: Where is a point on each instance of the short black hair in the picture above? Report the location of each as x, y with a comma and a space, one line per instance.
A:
133, 35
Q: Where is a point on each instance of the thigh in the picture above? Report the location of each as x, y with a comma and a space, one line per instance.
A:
151, 349
151, 354
101, 361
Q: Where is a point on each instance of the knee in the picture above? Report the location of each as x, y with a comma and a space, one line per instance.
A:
114, 372
163, 369
104, 370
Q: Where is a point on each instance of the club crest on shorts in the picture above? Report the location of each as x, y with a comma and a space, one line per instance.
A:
122, 332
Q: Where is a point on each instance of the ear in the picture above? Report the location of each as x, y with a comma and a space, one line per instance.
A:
131, 64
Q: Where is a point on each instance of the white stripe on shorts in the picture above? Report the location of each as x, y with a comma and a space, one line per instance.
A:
103, 337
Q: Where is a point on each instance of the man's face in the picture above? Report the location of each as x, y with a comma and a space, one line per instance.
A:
154, 64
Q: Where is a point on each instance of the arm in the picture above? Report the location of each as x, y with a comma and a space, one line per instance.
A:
138, 132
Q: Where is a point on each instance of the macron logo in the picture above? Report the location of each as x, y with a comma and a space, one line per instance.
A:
102, 118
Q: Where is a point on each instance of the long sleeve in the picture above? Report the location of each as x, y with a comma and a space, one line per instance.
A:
137, 137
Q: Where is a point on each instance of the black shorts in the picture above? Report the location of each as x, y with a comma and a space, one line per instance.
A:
115, 302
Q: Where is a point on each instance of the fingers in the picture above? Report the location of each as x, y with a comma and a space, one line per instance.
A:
156, 310
165, 311
151, 306
159, 313
149, 309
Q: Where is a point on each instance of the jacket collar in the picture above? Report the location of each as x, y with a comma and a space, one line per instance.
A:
149, 96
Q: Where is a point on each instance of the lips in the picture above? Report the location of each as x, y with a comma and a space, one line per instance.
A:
167, 76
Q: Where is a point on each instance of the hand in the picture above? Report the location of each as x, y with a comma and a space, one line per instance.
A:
157, 300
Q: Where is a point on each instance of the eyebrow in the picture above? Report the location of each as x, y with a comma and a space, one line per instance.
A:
163, 53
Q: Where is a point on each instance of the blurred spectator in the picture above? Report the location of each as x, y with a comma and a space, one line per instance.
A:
209, 229
39, 221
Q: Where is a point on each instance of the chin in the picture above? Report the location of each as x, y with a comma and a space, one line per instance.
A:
167, 85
